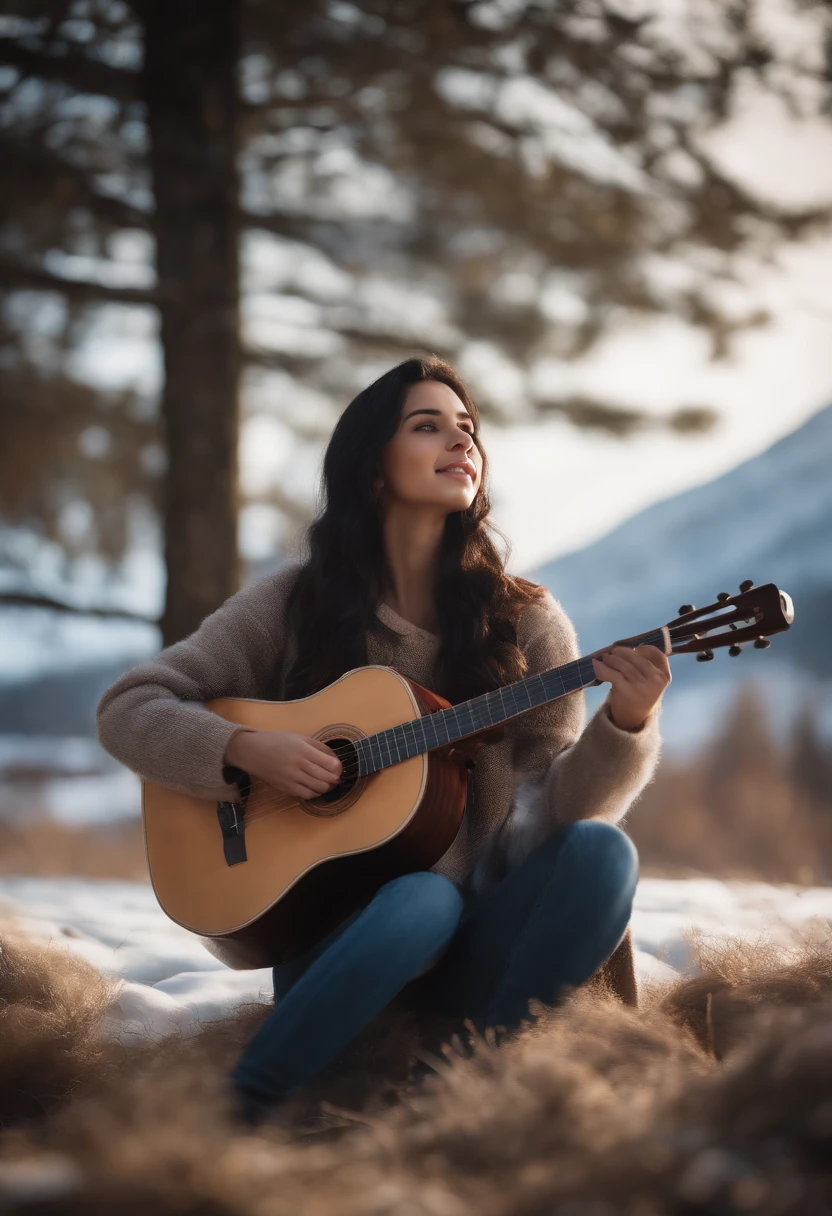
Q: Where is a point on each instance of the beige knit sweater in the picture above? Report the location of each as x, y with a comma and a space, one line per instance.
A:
548, 770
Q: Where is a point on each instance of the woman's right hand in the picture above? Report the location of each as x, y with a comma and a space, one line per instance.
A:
293, 764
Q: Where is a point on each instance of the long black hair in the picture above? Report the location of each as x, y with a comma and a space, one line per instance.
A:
332, 603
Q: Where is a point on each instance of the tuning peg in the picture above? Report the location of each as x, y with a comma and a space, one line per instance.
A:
686, 608
747, 584
704, 656
761, 643
723, 596
735, 650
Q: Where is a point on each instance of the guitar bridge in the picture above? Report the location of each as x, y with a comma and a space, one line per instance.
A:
232, 820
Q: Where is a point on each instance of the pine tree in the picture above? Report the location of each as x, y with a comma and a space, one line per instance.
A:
189, 87
540, 165
810, 758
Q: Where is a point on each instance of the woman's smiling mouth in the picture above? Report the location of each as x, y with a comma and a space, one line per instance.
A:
463, 469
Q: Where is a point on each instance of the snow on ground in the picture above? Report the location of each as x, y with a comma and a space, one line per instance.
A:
169, 982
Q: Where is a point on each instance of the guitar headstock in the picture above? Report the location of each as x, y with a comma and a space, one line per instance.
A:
753, 615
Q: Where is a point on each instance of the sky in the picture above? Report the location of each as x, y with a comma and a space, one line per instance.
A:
557, 489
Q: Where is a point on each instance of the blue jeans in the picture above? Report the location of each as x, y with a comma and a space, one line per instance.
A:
549, 925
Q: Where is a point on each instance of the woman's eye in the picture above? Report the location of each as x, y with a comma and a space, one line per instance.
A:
432, 426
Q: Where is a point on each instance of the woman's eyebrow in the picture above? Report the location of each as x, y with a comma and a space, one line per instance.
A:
436, 414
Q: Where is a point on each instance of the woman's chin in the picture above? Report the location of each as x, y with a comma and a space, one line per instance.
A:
457, 502
452, 497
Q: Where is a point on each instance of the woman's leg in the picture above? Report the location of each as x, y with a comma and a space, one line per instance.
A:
284, 975
402, 931
551, 923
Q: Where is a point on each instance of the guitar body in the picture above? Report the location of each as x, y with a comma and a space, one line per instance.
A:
263, 879
308, 865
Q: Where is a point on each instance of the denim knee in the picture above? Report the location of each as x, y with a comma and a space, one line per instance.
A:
605, 848
421, 904
419, 912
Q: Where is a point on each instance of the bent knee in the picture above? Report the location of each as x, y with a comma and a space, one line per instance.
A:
423, 899
603, 844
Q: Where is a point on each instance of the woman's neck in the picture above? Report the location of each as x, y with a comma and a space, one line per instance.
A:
412, 541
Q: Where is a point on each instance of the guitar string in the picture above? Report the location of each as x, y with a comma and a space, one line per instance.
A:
475, 715
278, 804
582, 670
351, 751
273, 806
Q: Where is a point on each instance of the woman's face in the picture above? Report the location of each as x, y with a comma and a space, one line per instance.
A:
432, 460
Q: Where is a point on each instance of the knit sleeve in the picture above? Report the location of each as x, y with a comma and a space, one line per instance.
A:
153, 718
592, 771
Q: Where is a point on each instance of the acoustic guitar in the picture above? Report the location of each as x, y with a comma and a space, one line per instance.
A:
264, 878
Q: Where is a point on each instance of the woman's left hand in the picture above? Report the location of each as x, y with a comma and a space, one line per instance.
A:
638, 678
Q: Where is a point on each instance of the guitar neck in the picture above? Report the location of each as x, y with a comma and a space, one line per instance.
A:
389, 747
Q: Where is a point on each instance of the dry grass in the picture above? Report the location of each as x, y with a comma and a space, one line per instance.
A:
50, 1012
749, 805
713, 1097
44, 848
755, 826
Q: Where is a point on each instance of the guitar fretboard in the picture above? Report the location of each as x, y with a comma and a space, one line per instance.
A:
389, 747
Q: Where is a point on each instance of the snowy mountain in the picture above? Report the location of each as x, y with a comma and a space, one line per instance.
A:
769, 519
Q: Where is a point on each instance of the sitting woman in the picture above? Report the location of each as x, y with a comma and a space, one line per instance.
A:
534, 894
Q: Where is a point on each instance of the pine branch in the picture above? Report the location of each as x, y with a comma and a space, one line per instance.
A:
20, 599
15, 276
294, 227
77, 71
29, 162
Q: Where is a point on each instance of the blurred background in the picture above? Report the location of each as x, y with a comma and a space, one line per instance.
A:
220, 221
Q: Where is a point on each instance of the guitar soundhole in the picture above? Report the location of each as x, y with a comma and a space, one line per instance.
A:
347, 790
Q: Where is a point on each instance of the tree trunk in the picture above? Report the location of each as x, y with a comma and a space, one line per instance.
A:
189, 86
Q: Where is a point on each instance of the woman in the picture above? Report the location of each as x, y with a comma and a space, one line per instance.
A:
536, 890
